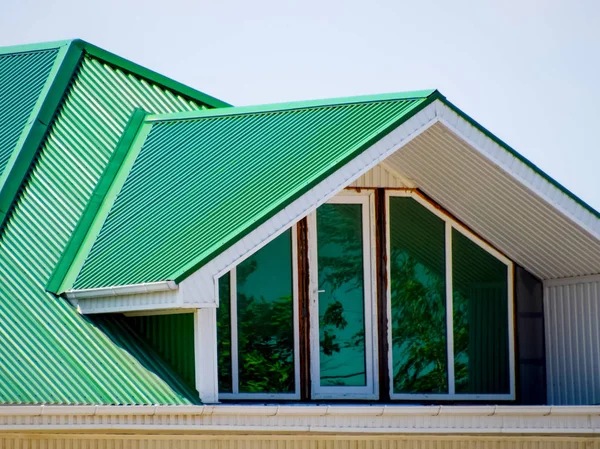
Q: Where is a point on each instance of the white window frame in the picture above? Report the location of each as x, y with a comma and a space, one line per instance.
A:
450, 224
365, 197
235, 394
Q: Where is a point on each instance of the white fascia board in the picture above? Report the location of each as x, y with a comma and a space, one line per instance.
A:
520, 171
307, 419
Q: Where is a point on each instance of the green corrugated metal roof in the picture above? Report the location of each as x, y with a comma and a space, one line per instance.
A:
49, 352
23, 76
202, 181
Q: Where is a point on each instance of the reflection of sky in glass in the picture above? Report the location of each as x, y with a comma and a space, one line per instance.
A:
341, 305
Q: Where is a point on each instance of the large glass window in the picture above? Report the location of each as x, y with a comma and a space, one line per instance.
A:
257, 325
449, 307
343, 328
418, 299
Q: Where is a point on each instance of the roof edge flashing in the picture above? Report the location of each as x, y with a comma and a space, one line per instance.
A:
121, 290
109, 184
429, 94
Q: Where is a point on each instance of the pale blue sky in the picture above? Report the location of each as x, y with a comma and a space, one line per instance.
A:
526, 70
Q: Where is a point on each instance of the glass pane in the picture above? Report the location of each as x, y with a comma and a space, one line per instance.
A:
418, 312
341, 305
266, 319
224, 335
480, 319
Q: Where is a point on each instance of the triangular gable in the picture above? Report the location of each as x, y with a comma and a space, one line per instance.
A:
156, 258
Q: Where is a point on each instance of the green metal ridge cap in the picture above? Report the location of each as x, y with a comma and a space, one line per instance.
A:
522, 158
148, 74
97, 209
41, 46
40, 118
281, 107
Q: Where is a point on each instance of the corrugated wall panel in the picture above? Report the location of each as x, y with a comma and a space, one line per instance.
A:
572, 320
22, 78
70, 361
293, 442
172, 337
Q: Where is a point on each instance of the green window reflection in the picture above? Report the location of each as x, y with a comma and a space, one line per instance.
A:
418, 312
480, 303
265, 311
341, 304
224, 334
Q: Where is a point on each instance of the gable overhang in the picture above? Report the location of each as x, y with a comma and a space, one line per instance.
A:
483, 183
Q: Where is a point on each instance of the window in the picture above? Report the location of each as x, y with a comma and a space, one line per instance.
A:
446, 320
342, 316
449, 308
257, 325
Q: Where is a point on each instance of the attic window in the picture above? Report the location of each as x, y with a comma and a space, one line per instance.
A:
441, 331
450, 309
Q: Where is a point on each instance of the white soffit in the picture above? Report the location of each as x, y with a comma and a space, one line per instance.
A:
551, 240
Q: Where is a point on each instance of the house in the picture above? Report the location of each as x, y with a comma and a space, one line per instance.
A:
375, 271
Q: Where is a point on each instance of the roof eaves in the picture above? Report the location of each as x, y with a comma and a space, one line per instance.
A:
150, 75
281, 107
99, 205
523, 159
44, 110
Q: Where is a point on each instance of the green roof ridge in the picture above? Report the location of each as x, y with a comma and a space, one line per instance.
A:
287, 106
98, 207
41, 46
151, 75
41, 116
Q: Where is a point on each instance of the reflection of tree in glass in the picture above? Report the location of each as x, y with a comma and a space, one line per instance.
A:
418, 327
340, 261
265, 340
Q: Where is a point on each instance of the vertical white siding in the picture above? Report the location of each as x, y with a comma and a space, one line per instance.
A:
379, 176
572, 323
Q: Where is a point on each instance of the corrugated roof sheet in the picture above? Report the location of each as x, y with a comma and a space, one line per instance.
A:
51, 354
202, 181
22, 78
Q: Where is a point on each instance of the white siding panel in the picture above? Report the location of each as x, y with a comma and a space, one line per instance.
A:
379, 176
288, 442
572, 322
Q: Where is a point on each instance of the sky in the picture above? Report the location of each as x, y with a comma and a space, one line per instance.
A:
527, 70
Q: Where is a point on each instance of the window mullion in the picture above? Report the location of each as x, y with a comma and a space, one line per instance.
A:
235, 383
449, 310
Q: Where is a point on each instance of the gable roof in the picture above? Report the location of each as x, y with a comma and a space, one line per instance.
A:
193, 184
51, 354
33, 81
178, 196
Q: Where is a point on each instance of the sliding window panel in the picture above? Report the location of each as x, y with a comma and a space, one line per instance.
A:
481, 323
265, 318
417, 266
